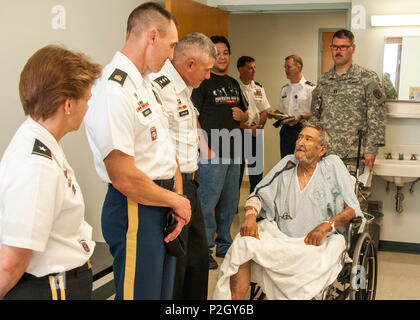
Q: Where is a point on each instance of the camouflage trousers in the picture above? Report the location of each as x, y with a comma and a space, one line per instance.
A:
363, 193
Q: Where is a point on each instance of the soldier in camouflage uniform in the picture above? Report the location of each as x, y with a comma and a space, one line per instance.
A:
349, 99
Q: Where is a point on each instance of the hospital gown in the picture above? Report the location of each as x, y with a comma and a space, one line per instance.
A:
283, 265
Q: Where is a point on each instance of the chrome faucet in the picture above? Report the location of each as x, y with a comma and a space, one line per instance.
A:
388, 155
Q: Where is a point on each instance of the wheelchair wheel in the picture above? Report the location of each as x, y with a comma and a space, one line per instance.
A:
364, 271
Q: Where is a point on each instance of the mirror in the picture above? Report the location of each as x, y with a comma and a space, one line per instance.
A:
401, 68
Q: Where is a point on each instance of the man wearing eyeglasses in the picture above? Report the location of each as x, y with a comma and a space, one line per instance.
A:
350, 100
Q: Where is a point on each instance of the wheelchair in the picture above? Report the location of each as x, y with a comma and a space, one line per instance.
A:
358, 277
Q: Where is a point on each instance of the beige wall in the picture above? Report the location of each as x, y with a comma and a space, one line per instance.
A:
369, 52
410, 66
96, 27
370, 41
269, 38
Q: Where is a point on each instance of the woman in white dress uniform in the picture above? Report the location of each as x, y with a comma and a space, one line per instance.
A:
45, 244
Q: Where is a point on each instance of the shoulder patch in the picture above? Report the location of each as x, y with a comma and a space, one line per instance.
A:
375, 89
377, 93
118, 76
41, 149
162, 81
258, 84
309, 83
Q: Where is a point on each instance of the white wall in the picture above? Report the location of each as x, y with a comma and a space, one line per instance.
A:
95, 27
370, 41
369, 52
410, 66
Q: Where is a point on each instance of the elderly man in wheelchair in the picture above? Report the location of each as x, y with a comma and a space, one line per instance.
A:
297, 250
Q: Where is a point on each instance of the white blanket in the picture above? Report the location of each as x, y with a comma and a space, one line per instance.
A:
284, 267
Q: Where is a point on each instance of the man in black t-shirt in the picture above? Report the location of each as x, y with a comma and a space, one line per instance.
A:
222, 108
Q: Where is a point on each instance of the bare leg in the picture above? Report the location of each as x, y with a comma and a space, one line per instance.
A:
239, 282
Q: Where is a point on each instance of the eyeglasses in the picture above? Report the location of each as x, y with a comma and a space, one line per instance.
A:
342, 48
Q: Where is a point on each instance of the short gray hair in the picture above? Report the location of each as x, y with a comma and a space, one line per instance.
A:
296, 59
324, 139
195, 41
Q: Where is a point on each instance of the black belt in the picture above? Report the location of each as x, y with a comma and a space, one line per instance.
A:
188, 176
71, 273
166, 183
76, 271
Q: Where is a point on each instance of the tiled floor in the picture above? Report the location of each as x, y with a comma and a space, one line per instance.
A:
398, 273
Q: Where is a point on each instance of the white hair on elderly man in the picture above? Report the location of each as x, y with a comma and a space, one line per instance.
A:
323, 139
195, 41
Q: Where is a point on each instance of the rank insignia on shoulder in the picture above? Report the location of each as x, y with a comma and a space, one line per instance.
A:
309, 83
162, 81
118, 76
41, 149
258, 84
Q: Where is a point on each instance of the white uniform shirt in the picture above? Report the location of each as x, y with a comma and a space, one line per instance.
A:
296, 98
182, 115
257, 100
125, 114
41, 204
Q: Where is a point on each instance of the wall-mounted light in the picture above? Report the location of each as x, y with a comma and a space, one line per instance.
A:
395, 20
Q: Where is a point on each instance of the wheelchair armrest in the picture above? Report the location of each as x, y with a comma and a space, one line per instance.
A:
357, 221
353, 225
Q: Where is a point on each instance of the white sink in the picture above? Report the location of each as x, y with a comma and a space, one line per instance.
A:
397, 171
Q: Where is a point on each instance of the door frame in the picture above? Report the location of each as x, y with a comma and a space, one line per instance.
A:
320, 46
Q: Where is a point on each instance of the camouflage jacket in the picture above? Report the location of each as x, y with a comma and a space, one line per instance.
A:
348, 103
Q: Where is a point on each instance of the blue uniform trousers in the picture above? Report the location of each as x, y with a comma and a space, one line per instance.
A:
134, 233
288, 137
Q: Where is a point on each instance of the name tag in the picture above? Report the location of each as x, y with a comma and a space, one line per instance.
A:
184, 113
147, 112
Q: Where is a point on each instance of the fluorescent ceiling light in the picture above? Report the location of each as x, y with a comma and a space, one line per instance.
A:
395, 20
